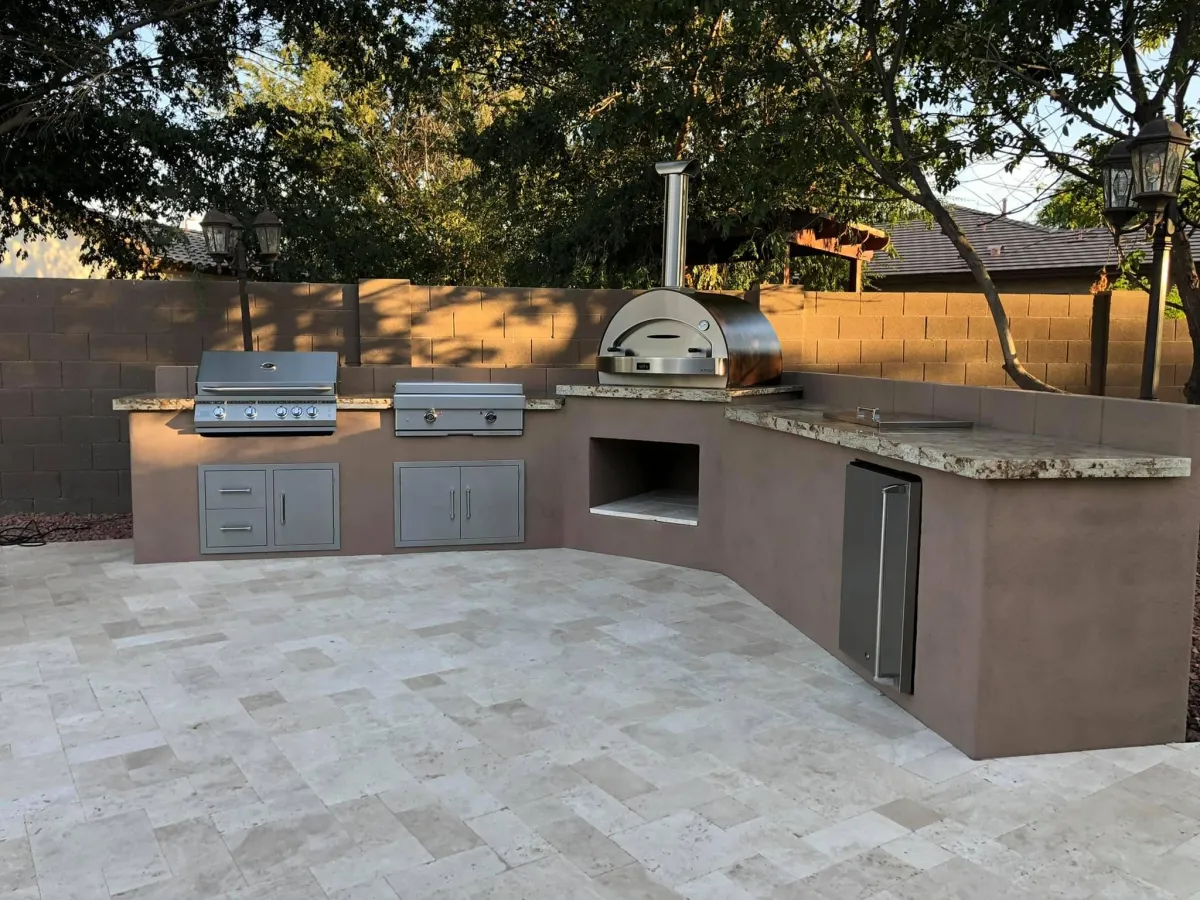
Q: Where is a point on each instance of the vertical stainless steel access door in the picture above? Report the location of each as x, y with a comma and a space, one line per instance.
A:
880, 551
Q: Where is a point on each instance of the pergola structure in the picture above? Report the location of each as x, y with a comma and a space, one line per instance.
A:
807, 233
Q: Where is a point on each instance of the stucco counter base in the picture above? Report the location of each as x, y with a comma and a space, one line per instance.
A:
1053, 614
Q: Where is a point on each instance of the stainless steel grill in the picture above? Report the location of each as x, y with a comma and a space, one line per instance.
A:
673, 337
444, 408
239, 392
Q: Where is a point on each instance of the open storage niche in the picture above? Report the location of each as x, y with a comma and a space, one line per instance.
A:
653, 480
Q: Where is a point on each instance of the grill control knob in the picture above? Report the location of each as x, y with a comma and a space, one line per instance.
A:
312, 412
490, 418
251, 412
431, 416
219, 412
280, 411
296, 411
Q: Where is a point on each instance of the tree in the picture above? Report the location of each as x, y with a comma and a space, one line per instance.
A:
584, 97
887, 75
101, 102
365, 174
1059, 84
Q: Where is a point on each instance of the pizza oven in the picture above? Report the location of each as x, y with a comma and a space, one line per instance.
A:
675, 337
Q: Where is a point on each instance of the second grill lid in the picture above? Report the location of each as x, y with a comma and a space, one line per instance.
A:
455, 387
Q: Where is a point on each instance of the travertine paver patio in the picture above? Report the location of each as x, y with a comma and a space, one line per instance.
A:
539, 725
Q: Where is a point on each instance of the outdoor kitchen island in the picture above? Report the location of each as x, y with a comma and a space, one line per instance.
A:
1053, 605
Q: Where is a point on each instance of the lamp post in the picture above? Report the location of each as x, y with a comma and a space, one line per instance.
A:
1142, 174
223, 240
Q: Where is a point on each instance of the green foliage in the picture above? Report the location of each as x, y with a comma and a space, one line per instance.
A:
583, 98
104, 103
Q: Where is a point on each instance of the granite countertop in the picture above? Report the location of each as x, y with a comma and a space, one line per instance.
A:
169, 402
983, 453
648, 392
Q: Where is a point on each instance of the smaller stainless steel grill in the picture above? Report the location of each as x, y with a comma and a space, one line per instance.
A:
444, 408
240, 392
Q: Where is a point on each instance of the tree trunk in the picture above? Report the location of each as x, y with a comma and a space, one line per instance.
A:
1022, 377
1183, 268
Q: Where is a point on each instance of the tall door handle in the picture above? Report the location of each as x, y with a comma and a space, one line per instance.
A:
468, 503
453, 503
887, 492
283, 509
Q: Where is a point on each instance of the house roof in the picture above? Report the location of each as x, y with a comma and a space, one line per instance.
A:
1004, 244
187, 251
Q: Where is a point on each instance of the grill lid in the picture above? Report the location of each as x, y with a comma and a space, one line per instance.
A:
259, 372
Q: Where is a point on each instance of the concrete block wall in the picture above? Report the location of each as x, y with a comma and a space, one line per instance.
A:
950, 337
68, 347
415, 325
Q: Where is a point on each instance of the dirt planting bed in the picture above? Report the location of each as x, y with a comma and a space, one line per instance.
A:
41, 528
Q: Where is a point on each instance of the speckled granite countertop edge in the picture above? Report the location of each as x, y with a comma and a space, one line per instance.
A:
980, 453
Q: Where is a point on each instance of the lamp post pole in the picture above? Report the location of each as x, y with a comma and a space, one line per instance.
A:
1160, 286
242, 269
225, 239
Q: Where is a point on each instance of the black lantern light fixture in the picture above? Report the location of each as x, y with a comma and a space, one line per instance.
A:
267, 229
1142, 175
1116, 171
1157, 155
223, 238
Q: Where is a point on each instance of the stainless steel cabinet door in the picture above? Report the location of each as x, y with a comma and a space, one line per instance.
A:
305, 507
427, 501
880, 549
491, 503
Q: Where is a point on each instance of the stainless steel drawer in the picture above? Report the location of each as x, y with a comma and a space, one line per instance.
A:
228, 528
235, 489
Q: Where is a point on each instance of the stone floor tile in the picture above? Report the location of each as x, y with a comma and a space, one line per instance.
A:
514, 841
268, 850
632, 882
583, 845
438, 830
854, 836
455, 872
264, 729
612, 777
681, 847
599, 809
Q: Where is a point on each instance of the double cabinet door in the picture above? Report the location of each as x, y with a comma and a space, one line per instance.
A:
247, 509
459, 503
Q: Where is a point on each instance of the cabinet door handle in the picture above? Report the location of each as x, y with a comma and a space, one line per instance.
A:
237, 528
468, 503
883, 520
233, 490
283, 509
453, 503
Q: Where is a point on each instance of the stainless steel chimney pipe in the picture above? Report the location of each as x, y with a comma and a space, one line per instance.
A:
675, 218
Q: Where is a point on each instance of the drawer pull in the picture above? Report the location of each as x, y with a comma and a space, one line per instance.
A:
234, 490
237, 528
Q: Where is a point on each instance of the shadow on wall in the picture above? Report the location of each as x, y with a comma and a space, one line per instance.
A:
415, 325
